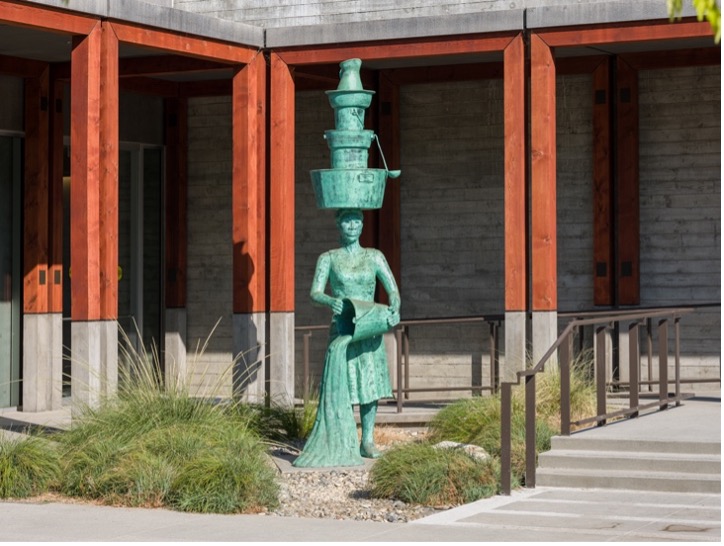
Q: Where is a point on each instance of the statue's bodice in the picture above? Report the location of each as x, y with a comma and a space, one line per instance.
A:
353, 275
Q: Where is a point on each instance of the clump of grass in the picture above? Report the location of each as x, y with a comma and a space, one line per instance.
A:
477, 420
28, 466
156, 445
422, 474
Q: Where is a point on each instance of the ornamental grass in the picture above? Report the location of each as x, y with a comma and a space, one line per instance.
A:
477, 420
420, 473
161, 445
29, 466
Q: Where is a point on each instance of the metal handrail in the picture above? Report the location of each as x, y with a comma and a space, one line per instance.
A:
563, 346
402, 367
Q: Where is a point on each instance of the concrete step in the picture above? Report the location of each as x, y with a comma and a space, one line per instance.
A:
691, 463
588, 443
680, 482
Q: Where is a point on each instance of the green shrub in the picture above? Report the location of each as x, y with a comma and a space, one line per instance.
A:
156, 445
477, 420
234, 475
422, 474
28, 466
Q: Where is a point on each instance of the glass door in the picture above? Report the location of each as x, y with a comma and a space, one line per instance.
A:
140, 245
10, 295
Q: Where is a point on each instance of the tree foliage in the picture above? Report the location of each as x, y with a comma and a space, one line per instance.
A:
705, 9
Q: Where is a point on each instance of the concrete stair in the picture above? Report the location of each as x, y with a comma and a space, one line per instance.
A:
641, 465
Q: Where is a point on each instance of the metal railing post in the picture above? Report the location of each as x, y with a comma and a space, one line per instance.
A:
634, 366
650, 351
398, 337
506, 410
677, 359
406, 337
530, 451
307, 335
564, 357
601, 373
663, 363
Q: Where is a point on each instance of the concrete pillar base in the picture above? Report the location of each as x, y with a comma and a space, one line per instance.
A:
42, 362
545, 333
109, 358
515, 346
281, 358
94, 362
175, 356
249, 374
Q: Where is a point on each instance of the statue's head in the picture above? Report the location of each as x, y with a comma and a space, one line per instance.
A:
349, 223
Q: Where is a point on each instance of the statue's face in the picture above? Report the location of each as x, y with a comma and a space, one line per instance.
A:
350, 226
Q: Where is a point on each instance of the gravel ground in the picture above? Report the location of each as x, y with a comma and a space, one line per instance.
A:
343, 493
340, 494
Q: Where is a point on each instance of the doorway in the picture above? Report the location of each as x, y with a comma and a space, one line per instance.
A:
140, 250
10, 285
140, 245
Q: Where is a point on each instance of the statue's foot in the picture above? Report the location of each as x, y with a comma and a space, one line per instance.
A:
369, 451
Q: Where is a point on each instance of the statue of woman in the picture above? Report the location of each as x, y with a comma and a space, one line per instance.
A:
355, 371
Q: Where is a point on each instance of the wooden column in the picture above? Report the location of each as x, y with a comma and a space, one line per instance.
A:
603, 266
515, 176
627, 184
280, 378
281, 203
36, 198
248, 192
388, 131
176, 141
85, 176
108, 173
55, 272
543, 176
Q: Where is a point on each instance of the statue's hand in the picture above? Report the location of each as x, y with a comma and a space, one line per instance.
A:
393, 319
337, 306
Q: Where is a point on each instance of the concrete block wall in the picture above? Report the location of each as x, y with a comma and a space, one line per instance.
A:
209, 244
452, 223
680, 177
284, 13
574, 148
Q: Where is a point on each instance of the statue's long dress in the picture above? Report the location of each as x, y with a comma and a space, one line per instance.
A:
333, 441
354, 373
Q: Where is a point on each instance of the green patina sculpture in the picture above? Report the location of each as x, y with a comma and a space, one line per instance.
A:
355, 368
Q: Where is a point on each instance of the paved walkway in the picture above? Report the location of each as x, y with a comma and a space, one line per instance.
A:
542, 514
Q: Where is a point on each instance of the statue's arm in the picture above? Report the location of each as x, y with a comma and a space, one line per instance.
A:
384, 274
319, 283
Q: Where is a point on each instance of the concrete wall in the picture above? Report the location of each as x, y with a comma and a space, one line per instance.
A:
209, 243
574, 147
680, 177
286, 13
452, 224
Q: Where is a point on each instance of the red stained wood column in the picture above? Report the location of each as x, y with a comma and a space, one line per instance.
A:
36, 198
55, 272
603, 272
543, 175
108, 173
515, 176
85, 118
627, 184
176, 141
388, 131
281, 204
248, 190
